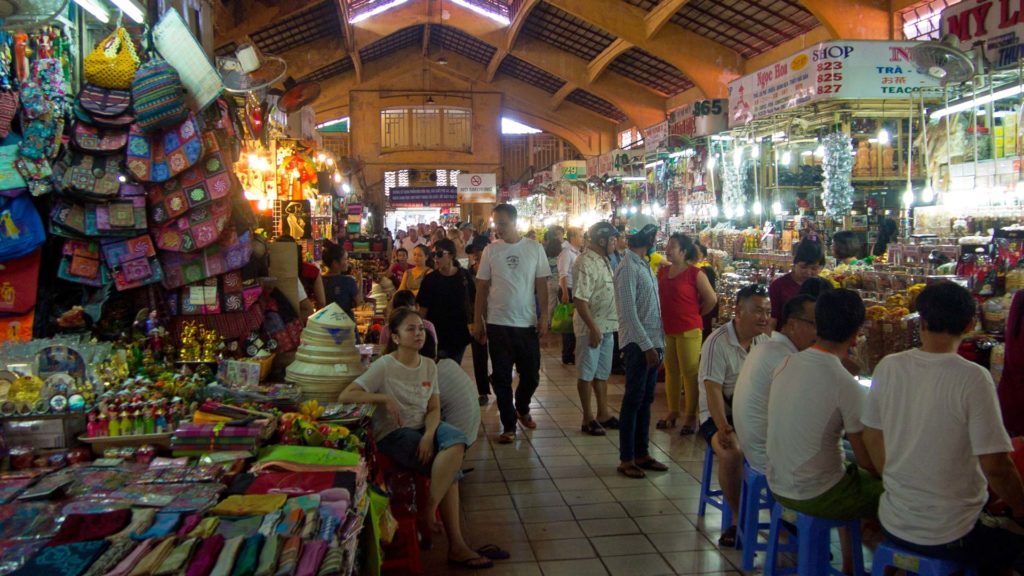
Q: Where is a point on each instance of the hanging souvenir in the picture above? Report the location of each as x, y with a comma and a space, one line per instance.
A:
113, 63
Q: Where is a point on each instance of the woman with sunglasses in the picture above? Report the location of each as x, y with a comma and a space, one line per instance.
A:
413, 277
446, 299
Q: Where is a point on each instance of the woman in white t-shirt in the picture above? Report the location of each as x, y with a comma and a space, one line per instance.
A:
408, 426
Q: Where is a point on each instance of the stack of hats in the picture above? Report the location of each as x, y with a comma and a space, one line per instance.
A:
327, 360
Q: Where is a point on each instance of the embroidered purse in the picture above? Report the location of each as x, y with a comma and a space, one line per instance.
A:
159, 95
37, 173
100, 141
93, 177
133, 262
231, 252
198, 229
104, 102
198, 186
12, 183
8, 108
81, 263
164, 155
122, 121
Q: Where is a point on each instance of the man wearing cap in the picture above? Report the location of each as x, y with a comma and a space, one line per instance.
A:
643, 347
594, 324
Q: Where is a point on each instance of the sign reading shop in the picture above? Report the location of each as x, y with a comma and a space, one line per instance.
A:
999, 23
851, 70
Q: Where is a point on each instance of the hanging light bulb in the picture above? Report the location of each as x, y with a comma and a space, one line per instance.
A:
787, 158
777, 208
755, 151
337, 178
757, 207
908, 197
346, 188
927, 195
740, 211
883, 136
321, 157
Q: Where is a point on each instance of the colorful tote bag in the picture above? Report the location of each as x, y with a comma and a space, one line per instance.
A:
159, 95
21, 228
198, 186
11, 181
133, 262
82, 263
112, 64
231, 252
163, 155
198, 229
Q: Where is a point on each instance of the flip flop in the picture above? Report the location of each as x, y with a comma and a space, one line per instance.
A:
593, 428
611, 423
631, 471
652, 464
728, 538
687, 430
493, 552
474, 563
665, 423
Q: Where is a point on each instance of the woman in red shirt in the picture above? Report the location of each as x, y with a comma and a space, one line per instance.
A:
686, 295
807, 263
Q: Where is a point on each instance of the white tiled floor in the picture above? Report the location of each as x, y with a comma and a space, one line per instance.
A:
554, 500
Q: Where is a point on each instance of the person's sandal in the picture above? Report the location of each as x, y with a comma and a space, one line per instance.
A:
611, 423
728, 538
474, 563
651, 464
631, 471
665, 423
687, 430
493, 552
593, 428
507, 438
527, 421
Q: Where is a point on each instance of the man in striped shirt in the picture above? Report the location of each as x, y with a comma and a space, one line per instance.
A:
721, 358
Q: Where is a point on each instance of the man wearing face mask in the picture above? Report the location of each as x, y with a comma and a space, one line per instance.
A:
643, 347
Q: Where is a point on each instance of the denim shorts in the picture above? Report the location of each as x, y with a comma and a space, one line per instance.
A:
402, 445
594, 363
708, 428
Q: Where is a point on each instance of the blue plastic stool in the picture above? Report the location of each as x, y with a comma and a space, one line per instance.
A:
888, 555
813, 543
754, 497
716, 498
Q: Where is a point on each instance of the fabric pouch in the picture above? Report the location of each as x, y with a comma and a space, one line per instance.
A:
133, 262
99, 141
12, 183
37, 173
82, 263
159, 97
93, 177
21, 228
104, 102
19, 283
8, 108
200, 228
198, 186
231, 252
164, 154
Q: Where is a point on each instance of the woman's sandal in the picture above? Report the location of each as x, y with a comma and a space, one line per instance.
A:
507, 438
651, 464
665, 423
631, 471
728, 538
474, 563
610, 424
687, 430
593, 428
493, 552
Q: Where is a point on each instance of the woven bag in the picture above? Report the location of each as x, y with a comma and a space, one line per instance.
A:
113, 63
158, 95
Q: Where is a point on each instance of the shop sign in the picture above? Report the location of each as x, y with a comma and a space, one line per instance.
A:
423, 197
655, 136
570, 170
850, 70
477, 188
997, 23
701, 118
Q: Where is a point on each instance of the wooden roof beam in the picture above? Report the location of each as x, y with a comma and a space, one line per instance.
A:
661, 15
605, 58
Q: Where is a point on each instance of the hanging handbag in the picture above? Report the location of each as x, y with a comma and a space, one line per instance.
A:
124, 216
205, 182
12, 183
67, 219
196, 230
21, 228
34, 103
104, 102
82, 263
122, 121
132, 262
37, 174
159, 97
99, 141
19, 281
231, 252
93, 177
112, 64
162, 155
8, 108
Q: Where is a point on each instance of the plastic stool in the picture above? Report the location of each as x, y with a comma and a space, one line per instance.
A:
402, 555
716, 498
754, 497
889, 554
813, 543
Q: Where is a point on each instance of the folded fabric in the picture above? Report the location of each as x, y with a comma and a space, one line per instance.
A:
291, 522
151, 561
312, 556
176, 561
205, 556
248, 557
81, 527
331, 565
134, 557
226, 560
329, 523
269, 523
189, 524
289, 556
64, 560
306, 503
267, 563
231, 527
165, 523
293, 483
220, 430
142, 519
207, 527
304, 459
310, 525
114, 554
249, 504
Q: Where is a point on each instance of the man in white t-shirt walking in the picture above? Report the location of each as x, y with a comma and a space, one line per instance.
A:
721, 358
934, 431
412, 240
513, 271
813, 402
750, 400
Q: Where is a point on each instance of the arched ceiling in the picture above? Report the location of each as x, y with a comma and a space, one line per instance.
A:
605, 61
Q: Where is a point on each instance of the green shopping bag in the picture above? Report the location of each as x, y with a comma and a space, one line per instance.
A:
561, 320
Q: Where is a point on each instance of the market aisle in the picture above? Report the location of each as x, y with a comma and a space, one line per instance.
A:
555, 501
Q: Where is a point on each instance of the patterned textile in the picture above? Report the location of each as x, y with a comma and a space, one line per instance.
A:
64, 560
